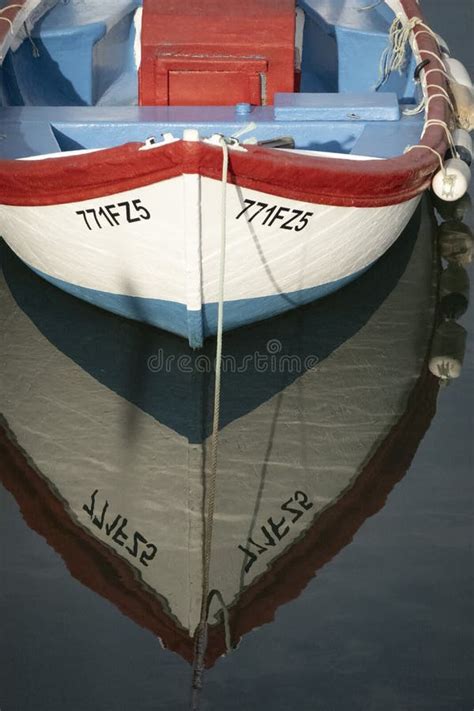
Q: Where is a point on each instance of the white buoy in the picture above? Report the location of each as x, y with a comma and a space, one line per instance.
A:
455, 242
452, 182
447, 352
458, 71
463, 142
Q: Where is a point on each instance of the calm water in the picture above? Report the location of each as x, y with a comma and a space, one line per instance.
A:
344, 504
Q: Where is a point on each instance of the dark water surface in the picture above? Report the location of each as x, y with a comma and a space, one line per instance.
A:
350, 471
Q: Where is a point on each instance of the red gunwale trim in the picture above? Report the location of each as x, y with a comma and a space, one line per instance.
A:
318, 180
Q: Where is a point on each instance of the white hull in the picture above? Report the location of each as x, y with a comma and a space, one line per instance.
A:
153, 253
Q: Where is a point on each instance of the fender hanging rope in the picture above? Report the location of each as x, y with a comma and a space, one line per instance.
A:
434, 56
432, 150
444, 125
440, 71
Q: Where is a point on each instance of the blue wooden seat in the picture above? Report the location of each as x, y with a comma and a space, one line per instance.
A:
367, 106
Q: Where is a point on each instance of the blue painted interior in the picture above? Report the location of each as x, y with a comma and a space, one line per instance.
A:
342, 48
112, 63
341, 13
101, 130
362, 106
83, 50
26, 139
100, 127
62, 74
366, 49
86, 61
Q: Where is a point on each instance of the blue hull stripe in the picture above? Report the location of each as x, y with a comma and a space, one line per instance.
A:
193, 325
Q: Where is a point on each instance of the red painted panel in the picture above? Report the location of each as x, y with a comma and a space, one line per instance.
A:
185, 80
249, 45
234, 86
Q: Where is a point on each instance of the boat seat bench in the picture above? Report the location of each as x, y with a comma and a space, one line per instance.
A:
361, 106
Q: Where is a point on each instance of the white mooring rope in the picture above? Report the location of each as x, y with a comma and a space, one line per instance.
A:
210, 494
447, 130
428, 148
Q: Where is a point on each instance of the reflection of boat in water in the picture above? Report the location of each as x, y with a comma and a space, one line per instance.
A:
110, 447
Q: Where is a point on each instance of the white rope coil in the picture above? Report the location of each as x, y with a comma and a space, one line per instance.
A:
425, 102
428, 31
394, 56
445, 127
434, 55
440, 71
438, 88
454, 151
417, 109
440, 96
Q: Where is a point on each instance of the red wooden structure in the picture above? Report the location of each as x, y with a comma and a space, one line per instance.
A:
216, 52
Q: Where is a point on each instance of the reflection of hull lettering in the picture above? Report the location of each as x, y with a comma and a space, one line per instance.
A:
274, 529
116, 529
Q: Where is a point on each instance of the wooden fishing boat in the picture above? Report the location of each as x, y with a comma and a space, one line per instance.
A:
113, 477
137, 119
